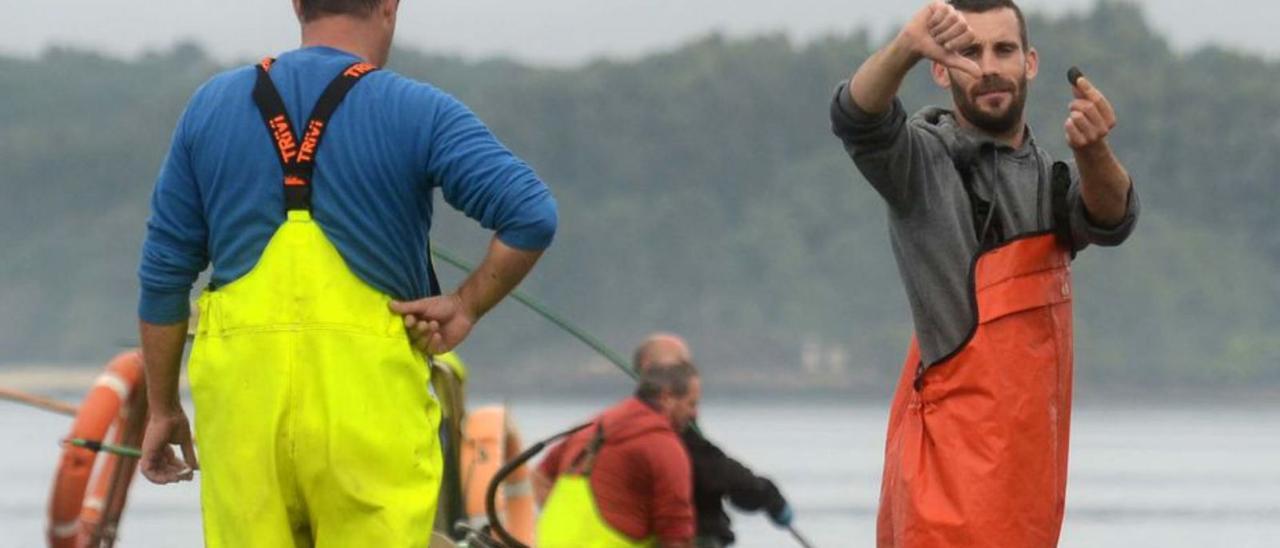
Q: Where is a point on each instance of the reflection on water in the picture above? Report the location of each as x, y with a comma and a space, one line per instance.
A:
1144, 476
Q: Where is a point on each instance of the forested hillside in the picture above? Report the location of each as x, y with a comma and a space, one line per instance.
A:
701, 191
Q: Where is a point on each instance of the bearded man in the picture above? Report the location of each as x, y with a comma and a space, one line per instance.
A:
984, 225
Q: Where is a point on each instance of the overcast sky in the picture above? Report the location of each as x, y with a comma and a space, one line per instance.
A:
561, 32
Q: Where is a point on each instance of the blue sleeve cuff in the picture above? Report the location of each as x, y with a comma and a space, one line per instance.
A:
163, 307
536, 229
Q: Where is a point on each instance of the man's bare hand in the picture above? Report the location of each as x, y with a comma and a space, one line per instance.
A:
436, 324
159, 463
939, 32
1091, 118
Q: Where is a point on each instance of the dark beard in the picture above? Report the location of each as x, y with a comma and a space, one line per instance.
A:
995, 125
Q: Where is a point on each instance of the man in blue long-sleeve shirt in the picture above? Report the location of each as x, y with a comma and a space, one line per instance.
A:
307, 183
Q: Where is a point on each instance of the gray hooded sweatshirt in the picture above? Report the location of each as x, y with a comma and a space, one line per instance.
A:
913, 164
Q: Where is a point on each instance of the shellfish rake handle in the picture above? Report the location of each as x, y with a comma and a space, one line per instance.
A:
96, 446
39, 402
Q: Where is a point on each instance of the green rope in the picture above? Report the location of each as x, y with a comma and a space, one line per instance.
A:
543, 311
564, 324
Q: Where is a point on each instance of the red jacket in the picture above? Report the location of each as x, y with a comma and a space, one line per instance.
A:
642, 480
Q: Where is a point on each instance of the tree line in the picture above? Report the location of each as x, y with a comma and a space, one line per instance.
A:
701, 191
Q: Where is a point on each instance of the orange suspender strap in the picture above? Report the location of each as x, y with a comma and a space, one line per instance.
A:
299, 158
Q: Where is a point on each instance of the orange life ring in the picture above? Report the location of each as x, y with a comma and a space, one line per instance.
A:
489, 441
74, 518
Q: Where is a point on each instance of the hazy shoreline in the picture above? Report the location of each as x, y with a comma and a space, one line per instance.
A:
69, 381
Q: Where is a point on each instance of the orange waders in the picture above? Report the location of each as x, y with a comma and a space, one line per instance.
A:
977, 447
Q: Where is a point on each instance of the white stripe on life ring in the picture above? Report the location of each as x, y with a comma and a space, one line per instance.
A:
523, 488
115, 383
95, 503
65, 529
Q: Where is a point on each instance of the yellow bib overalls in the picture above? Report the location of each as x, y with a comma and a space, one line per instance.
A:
313, 417
570, 517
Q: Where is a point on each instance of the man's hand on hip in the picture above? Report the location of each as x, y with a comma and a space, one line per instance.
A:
436, 324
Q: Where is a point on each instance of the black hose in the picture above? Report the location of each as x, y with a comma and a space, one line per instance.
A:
491, 494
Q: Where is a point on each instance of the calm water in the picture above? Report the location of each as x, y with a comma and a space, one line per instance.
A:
1140, 476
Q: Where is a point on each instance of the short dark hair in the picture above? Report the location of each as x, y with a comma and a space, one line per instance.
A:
983, 6
638, 356
314, 9
657, 378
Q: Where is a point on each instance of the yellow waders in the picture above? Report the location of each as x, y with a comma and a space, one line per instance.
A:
570, 517
313, 417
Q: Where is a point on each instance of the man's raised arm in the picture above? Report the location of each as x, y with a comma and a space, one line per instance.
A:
1104, 183
937, 32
